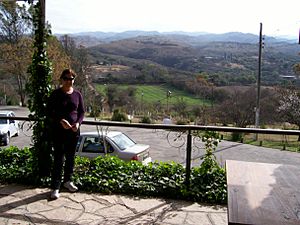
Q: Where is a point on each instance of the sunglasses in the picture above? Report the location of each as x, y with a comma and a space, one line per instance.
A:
67, 78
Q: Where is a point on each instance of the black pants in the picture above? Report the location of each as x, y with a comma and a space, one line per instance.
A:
64, 143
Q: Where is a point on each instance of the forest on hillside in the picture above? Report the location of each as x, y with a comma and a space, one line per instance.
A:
224, 62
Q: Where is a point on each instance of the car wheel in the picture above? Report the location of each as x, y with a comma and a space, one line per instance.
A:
6, 139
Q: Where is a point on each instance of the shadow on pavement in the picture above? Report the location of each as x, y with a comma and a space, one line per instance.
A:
12, 191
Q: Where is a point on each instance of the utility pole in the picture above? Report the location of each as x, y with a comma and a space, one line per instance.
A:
257, 109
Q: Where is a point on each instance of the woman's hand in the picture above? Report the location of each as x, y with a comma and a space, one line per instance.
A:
65, 124
75, 127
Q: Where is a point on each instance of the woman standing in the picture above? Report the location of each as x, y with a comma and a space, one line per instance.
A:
66, 110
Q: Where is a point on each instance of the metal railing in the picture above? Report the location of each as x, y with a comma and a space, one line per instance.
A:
188, 129
182, 128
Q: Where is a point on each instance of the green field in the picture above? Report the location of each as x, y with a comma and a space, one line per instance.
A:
158, 93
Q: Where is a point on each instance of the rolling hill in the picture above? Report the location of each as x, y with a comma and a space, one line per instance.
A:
228, 59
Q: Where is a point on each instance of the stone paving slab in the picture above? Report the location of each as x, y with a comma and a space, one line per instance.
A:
25, 205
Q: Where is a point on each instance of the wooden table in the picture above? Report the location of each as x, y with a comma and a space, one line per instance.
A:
262, 193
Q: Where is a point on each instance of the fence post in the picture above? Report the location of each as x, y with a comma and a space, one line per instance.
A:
188, 159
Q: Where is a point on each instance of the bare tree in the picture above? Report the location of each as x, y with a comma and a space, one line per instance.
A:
289, 105
118, 97
60, 60
238, 108
80, 62
204, 114
15, 21
16, 44
180, 107
16, 59
296, 68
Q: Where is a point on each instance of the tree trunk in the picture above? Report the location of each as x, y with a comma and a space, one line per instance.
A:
21, 91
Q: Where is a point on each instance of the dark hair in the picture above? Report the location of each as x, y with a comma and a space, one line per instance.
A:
67, 71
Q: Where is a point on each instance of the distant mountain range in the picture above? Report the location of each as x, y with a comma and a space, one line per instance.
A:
229, 58
94, 38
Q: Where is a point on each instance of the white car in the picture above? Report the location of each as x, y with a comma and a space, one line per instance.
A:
94, 144
8, 127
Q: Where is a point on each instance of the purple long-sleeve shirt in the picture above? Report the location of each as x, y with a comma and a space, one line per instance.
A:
66, 106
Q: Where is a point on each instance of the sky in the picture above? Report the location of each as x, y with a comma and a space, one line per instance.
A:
279, 17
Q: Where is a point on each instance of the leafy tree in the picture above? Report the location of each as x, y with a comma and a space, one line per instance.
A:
111, 96
117, 97
199, 86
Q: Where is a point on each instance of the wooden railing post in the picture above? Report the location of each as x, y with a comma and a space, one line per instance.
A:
188, 159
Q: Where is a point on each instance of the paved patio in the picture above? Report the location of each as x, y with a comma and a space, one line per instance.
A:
27, 205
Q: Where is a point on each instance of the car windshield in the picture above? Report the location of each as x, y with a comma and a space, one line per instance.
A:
122, 141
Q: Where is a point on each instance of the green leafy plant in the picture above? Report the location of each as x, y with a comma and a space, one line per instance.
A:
110, 174
146, 119
182, 122
208, 182
16, 165
118, 116
235, 136
39, 89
